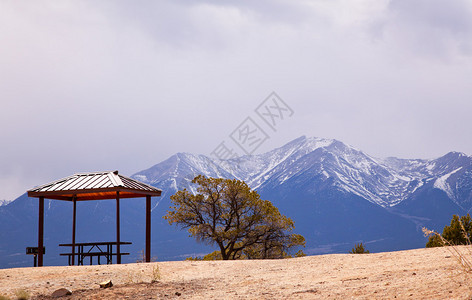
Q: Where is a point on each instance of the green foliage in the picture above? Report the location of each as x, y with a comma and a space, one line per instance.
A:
229, 214
215, 255
434, 241
191, 258
4, 297
300, 253
359, 249
457, 233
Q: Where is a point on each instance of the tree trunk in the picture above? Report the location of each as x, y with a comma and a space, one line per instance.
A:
224, 255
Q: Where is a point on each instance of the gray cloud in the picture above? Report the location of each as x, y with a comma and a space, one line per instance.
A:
429, 28
114, 85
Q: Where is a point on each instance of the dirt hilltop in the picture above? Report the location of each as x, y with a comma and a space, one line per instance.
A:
415, 274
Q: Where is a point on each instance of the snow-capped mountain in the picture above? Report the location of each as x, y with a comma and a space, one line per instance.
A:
326, 186
316, 163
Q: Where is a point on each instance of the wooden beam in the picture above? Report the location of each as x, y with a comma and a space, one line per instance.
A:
73, 229
40, 231
118, 256
148, 228
68, 194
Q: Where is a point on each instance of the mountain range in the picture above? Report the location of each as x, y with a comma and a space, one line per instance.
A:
336, 194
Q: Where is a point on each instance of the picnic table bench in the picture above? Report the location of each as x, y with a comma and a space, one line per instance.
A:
93, 249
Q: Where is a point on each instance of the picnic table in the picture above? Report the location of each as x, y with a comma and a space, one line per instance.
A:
93, 249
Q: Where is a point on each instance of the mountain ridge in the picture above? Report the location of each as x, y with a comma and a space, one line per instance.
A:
383, 181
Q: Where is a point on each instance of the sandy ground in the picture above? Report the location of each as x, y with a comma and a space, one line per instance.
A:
414, 274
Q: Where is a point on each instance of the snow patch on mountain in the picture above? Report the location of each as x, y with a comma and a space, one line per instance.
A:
4, 202
441, 183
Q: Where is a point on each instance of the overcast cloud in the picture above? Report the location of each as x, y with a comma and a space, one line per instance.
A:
104, 85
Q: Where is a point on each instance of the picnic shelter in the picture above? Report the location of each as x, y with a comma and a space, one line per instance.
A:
94, 186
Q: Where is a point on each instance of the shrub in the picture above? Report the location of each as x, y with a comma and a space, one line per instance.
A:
156, 273
359, 249
215, 255
300, 253
22, 294
458, 233
194, 258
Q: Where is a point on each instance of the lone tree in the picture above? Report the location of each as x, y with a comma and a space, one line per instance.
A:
458, 233
229, 214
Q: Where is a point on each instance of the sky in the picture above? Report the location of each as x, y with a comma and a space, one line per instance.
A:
123, 85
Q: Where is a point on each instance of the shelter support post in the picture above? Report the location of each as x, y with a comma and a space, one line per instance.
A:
74, 200
118, 255
148, 228
40, 231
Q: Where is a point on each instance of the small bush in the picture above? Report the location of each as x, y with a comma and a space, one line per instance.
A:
22, 294
457, 233
215, 255
156, 273
300, 253
134, 277
194, 258
359, 249
4, 297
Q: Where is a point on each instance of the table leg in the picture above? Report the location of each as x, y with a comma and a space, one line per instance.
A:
82, 254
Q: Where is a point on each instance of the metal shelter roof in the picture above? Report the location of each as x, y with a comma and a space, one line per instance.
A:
94, 186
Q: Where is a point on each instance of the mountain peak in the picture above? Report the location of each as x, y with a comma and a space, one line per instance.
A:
456, 154
316, 164
307, 143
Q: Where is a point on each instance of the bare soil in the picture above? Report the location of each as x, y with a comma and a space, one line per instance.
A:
414, 274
